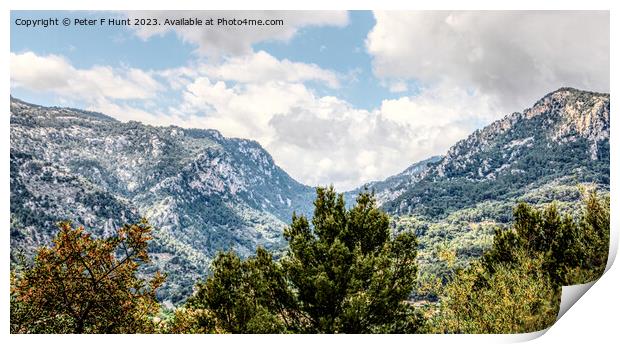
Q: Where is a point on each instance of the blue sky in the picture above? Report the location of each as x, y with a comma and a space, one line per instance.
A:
340, 49
336, 97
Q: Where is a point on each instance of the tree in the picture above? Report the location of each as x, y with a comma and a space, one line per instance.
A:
515, 287
184, 320
348, 274
574, 251
243, 296
516, 297
344, 272
82, 284
593, 240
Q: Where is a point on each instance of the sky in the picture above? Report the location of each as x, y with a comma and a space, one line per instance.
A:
335, 97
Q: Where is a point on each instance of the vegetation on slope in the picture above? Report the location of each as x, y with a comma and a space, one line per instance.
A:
343, 271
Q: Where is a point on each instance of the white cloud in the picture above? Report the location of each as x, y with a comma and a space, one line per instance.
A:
513, 56
217, 40
440, 106
323, 140
262, 67
39, 73
243, 110
54, 74
256, 68
318, 140
398, 86
125, 112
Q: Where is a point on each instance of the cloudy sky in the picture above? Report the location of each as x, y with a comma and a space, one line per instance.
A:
336, 97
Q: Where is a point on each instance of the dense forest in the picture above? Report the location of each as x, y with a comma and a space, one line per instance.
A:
343, 270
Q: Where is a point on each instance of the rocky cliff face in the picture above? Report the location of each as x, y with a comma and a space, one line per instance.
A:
201, 191
562, 139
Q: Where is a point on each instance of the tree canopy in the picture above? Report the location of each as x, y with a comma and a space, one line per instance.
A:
516, 286
82, 284
343, 272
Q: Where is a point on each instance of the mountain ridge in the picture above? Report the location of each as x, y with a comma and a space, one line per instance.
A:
204, 192
515, 142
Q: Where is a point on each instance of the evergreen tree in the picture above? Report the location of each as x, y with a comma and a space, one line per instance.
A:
243, 296
342, 273
348, 274
516, 285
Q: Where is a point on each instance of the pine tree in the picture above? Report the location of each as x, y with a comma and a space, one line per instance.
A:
342, 273
516, 285
349, 275
243, 296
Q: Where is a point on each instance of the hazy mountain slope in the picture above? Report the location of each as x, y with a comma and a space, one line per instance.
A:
201, 191
392, 187
563, 138
542, 155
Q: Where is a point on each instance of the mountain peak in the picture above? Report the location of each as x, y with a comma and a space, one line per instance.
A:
571, 113
566, 96
560, 134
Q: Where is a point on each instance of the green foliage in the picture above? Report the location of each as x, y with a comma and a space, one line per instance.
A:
516, 285
348, 273
86, 285
469, 232
515, 298
244, 296
344, 273
574, 251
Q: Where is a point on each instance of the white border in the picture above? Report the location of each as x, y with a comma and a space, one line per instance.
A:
594, 318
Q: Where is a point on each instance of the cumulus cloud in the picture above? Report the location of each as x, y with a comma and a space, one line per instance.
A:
256, 67
513, 56
56, 75
217, 40
323, 140
466, 68
262, 67
318, 140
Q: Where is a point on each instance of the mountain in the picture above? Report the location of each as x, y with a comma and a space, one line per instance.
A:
392, 187
202, 192
547, 153
563, 139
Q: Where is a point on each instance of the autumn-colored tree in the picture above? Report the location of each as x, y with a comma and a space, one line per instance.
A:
186, 320
82, 284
